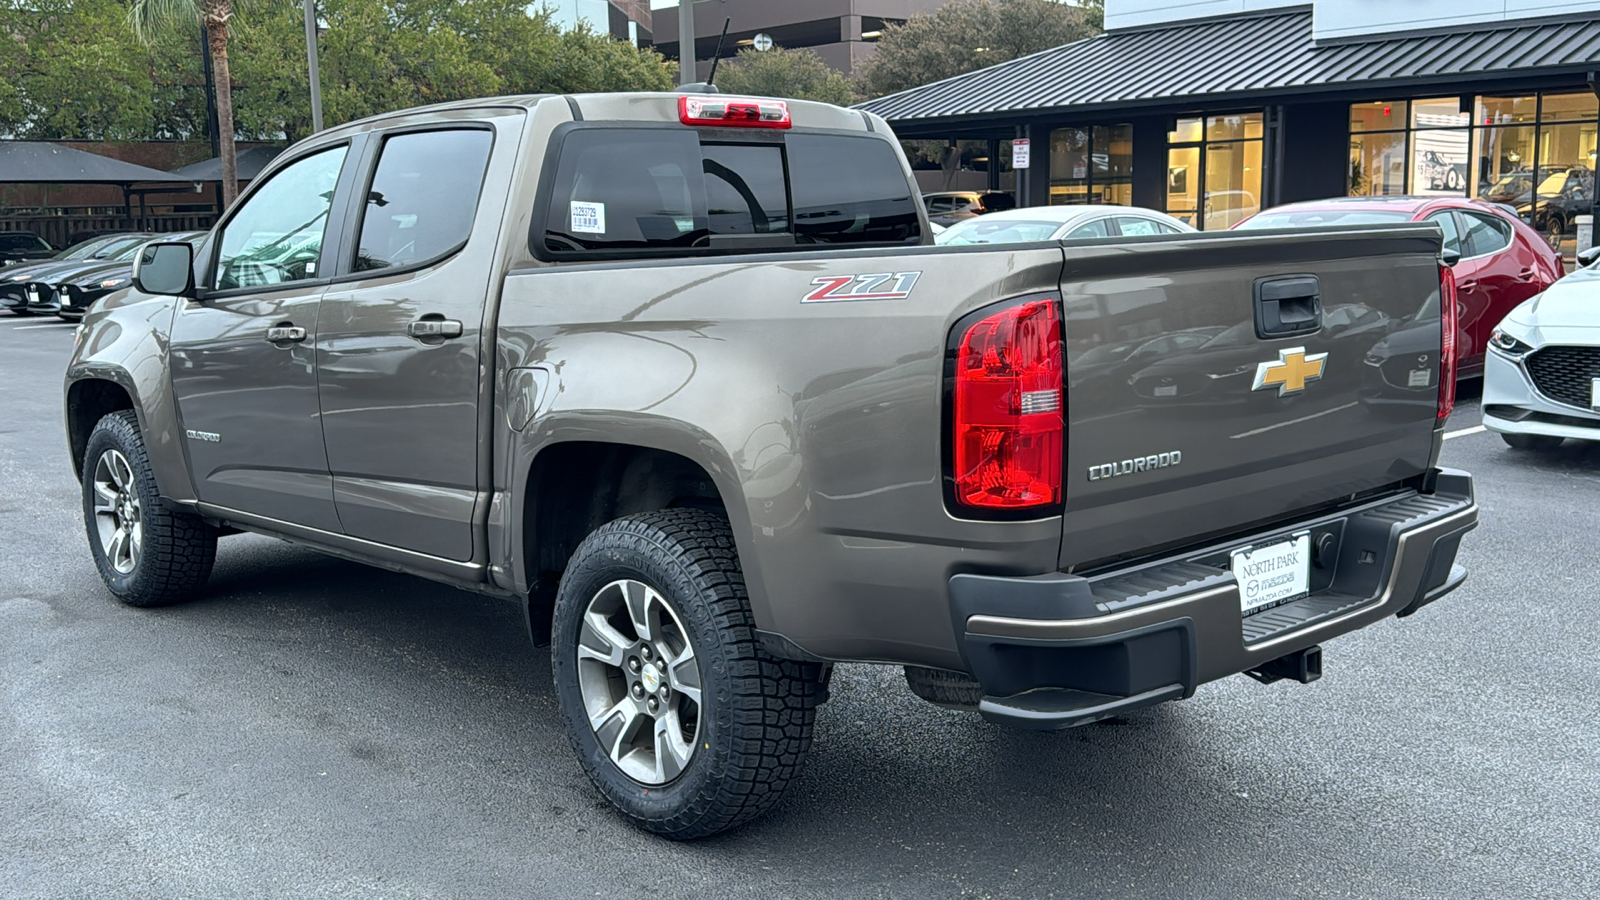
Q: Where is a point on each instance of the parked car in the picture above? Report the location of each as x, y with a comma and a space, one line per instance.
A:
949, 207
1049, 223
1500, 260
683, 378
1541, 385
21, 246
74, 293
40, 287
14, 280
1562, 197
1225, 209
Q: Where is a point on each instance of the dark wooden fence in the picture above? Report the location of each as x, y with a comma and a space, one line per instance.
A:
60, 231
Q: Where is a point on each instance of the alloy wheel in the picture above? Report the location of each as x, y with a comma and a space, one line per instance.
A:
640, 681
118, 514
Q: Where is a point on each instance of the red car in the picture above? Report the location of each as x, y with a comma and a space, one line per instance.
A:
1503, 260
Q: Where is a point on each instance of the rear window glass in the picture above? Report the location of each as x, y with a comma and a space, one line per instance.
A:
634, 192
1311, 218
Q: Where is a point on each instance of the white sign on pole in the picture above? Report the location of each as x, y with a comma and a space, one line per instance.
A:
1019, 153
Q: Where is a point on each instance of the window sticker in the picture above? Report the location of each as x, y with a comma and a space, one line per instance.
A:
588, 218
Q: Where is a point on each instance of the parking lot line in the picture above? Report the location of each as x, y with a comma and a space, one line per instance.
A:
1464, 432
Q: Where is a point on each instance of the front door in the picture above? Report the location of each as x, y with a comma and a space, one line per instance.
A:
243, 358
398, 350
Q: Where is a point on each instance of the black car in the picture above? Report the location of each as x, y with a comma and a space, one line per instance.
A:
75, 293
14, 279
20, 246
39, 288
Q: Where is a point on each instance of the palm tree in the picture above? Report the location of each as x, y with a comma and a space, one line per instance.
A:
152, 17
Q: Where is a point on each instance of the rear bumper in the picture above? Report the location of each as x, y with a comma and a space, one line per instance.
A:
1059, 650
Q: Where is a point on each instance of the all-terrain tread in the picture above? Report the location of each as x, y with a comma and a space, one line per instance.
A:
772, 702
942, 687
179, 549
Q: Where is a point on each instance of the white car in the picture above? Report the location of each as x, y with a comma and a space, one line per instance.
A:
1541, 378
1050, 223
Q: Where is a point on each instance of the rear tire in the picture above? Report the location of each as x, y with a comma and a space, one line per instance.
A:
147, 554
1539, 443
677, 713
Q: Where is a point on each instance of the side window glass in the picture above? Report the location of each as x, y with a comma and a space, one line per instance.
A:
423, 197
1164, 228
1097, 228
1486, 234
1446, 220
1132, 227
276, 237
626, 189
939, 205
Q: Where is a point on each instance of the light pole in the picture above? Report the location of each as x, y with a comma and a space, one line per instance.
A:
686, 54
311, 62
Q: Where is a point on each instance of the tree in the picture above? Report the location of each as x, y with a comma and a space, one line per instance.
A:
796, 74
70, 70
961, 37
153, 18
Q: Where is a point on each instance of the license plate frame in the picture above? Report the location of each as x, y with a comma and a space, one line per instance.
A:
1272, 573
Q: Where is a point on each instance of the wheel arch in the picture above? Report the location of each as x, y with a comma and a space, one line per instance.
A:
88, 401
574, 481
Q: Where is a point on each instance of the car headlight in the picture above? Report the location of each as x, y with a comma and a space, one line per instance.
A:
113, 282
1507, 344
22, 277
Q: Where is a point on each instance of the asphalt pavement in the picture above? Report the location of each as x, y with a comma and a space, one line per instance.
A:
314, 728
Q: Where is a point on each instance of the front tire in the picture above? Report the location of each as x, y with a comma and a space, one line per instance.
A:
676, 712
1540, 443
147, 554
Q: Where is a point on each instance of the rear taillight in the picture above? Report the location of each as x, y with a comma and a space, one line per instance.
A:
1449, 321
733, 112
1007, 422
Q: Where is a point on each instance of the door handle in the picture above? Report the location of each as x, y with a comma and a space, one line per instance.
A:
1525, 275
286, 334
1288, 306
1468, 285
429, 327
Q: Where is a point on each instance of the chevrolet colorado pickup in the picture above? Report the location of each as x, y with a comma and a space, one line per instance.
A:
685, 378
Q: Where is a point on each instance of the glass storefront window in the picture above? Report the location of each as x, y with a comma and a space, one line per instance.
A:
1507, 110
1216, 181
1442, 112
1381, 115
1566, 183
1091, 164
1582, 107
1505, 165
1378, 164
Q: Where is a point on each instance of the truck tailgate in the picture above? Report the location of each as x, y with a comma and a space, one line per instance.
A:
1189, 418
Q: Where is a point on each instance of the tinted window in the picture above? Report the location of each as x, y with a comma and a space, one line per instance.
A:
1452, 237
1097, 228
1486, 234
850, 190
635, 189
276, 236
22, 242
423, 197
1307, 218
745, 193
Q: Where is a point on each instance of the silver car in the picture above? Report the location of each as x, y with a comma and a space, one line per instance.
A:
1049, 223
1541, 380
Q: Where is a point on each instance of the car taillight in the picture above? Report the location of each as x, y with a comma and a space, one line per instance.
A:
733, 112
1448, 322
1007, 420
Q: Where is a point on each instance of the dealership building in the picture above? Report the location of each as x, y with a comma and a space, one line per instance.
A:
1214, 109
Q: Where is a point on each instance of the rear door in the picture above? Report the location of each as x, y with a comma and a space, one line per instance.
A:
399, 345
1257, 414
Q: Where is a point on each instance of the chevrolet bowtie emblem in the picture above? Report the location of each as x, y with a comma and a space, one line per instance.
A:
1291, 373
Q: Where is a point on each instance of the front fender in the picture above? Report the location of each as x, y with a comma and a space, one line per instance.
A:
124, 341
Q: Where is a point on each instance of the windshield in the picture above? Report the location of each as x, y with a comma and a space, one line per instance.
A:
115, 248
1310, 218
22, 242
84, 249
990, 231
1553, 184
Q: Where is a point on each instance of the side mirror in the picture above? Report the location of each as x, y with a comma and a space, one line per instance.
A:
1450, 257
1587, 257
165, 269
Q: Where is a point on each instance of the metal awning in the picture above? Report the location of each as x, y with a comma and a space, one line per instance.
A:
1244, 58
37, 162
249, 162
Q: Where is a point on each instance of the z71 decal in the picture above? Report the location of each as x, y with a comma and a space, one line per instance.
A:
884, 286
